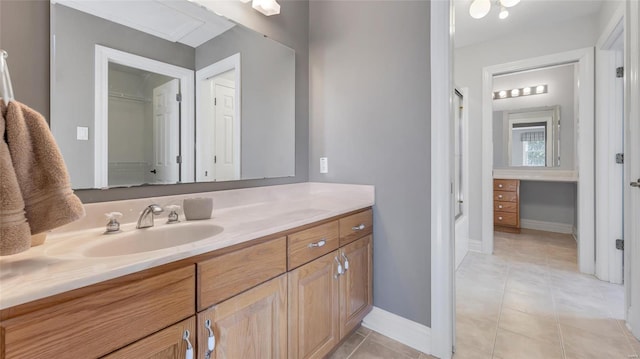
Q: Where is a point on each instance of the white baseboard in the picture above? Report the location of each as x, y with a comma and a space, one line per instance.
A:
575, 233
475, 245
546, 226
403, 330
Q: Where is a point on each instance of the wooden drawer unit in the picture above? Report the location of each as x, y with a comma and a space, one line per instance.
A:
511, 207
355, 226
101, 322
223, 277
506, 205
307, 245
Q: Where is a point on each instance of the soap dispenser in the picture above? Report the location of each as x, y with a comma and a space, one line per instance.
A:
113, 226
173, 214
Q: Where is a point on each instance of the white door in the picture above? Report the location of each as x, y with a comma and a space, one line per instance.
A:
632, 166
225, 159
166, 133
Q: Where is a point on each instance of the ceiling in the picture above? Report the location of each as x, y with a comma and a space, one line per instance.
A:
528, 14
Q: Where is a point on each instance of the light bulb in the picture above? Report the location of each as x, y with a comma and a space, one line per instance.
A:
502, 94
515, 93
540, 89
509, 3
479, 8
266, 7
526, 91
503, 13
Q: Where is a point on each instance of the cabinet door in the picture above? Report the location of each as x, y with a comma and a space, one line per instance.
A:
313, 308
355, 284
250, 325
168, 343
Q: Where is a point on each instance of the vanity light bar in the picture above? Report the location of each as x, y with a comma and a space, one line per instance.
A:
519, 92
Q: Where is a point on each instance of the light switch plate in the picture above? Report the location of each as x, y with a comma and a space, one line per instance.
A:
324, 165
82, 133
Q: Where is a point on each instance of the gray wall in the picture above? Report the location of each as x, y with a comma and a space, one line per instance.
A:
24, 33
548, 201
370, 115
469, 62
268, 98
561, 84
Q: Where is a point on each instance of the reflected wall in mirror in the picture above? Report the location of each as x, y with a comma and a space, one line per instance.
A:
536, 130
181, 96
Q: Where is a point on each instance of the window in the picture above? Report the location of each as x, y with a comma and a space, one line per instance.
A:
534, 147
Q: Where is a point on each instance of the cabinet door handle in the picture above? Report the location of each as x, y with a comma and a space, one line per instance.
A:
211, 339
359, 227
189, 352
320, 243
340, 270
346, 262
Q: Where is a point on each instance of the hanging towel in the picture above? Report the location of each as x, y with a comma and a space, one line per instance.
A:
15, 234
40, 170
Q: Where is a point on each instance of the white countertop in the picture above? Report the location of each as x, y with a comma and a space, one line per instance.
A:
245, 214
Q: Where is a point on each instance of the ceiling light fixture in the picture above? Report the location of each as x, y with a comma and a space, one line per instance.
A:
519, 92
266, 7
480, 8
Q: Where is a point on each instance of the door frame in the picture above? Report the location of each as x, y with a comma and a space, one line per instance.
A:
608, 259
585, 165
232, 62
104, 55
442, 218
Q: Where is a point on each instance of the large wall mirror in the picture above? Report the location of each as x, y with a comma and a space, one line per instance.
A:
164, 92
534, 119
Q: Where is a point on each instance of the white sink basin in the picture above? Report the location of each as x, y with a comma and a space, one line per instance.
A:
93, 243
150, 239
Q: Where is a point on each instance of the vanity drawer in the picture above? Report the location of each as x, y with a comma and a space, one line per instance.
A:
505, 196
223, 277
511, 207
505, 185
355, 226
307, 245
505, 219
101, 322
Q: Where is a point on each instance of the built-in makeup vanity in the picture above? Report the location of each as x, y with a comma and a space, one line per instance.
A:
289, 276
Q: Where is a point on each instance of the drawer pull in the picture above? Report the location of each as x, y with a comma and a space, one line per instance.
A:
499, 218
211, 340
346, 262
340, 270
189, 352
359, 227
500, 185
320, 243
500, 196
500, 206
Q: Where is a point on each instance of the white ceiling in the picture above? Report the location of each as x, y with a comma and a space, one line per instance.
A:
527, 15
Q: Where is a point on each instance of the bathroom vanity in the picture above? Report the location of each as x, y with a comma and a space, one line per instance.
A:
288, 276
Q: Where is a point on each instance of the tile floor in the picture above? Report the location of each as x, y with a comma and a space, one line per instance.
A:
528, 300
367, 344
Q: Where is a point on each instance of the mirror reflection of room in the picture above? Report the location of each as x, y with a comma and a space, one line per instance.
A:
533, 118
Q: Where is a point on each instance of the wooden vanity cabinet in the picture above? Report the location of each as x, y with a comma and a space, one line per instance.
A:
250, 325
168, 343
329, 296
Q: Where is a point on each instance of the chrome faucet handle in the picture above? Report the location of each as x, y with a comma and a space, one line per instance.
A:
146, 217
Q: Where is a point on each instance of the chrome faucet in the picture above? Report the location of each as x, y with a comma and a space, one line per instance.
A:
146, 217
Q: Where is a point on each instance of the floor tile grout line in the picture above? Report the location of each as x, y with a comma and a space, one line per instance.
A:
504, 291
359, 345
